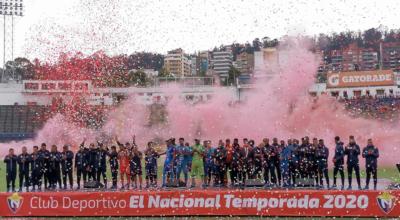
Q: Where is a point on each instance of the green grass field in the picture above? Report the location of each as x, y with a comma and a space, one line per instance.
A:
390, 173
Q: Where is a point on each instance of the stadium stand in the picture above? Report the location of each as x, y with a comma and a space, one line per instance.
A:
18, 122
385, 108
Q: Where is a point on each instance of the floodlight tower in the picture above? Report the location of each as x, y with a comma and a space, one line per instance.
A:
9, 9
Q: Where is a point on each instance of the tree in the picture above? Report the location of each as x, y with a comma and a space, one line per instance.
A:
236, 49
267, 42
372, 38
202, 73
23, 68
145, 60
324, 41
257, 44
337, 42
138, 78
392, 36
358, 39
19, 69
164, 73
233, 74
248, 48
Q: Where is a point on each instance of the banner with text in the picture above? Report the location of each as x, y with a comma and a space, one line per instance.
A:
203, 202
360, 79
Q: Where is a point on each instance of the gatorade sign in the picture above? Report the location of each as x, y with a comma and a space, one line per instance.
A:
360, 79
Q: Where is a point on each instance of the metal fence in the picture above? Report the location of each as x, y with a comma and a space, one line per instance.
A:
184, 81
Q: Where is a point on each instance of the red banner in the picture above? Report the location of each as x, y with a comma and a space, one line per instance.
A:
203, 202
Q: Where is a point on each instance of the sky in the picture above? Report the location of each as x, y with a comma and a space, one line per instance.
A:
51, 27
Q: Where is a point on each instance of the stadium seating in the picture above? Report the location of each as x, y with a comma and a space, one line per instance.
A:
385, 108
18, 122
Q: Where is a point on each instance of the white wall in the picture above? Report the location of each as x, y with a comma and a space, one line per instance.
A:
372, 91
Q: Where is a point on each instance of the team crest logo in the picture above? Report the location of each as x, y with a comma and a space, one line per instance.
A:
333, 80
14, 202
386, 202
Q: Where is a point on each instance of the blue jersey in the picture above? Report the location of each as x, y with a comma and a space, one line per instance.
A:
180, 152
286, 154
189, 155
183, 153
169, 154
209, 155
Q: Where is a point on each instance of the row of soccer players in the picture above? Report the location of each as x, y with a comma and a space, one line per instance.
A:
278, 163
54, 167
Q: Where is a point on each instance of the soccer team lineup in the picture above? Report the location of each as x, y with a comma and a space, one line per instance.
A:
199, 109
277, 164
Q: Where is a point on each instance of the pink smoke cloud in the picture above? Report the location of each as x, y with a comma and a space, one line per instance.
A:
279, 107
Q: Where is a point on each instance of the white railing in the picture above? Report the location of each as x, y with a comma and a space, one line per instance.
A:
185, 82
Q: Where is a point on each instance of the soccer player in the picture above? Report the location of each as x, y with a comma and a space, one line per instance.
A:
312, 161
135, 165
197, 163
124, 170
128, 147
237, 164
220, 155
338, 162
102, 163
45, 154
113, 159
247, 163
24, 160
322, 154
301, 154
293, 162
352, 151
175, 161
36, 168
81, 164
66, 166
285, 157
168, 170
93, 162
228, 160
371, 154
182, 153
150, 160
269, 153
54, 167
11, 169
208, 163
278, 148
258, 160
189, 157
